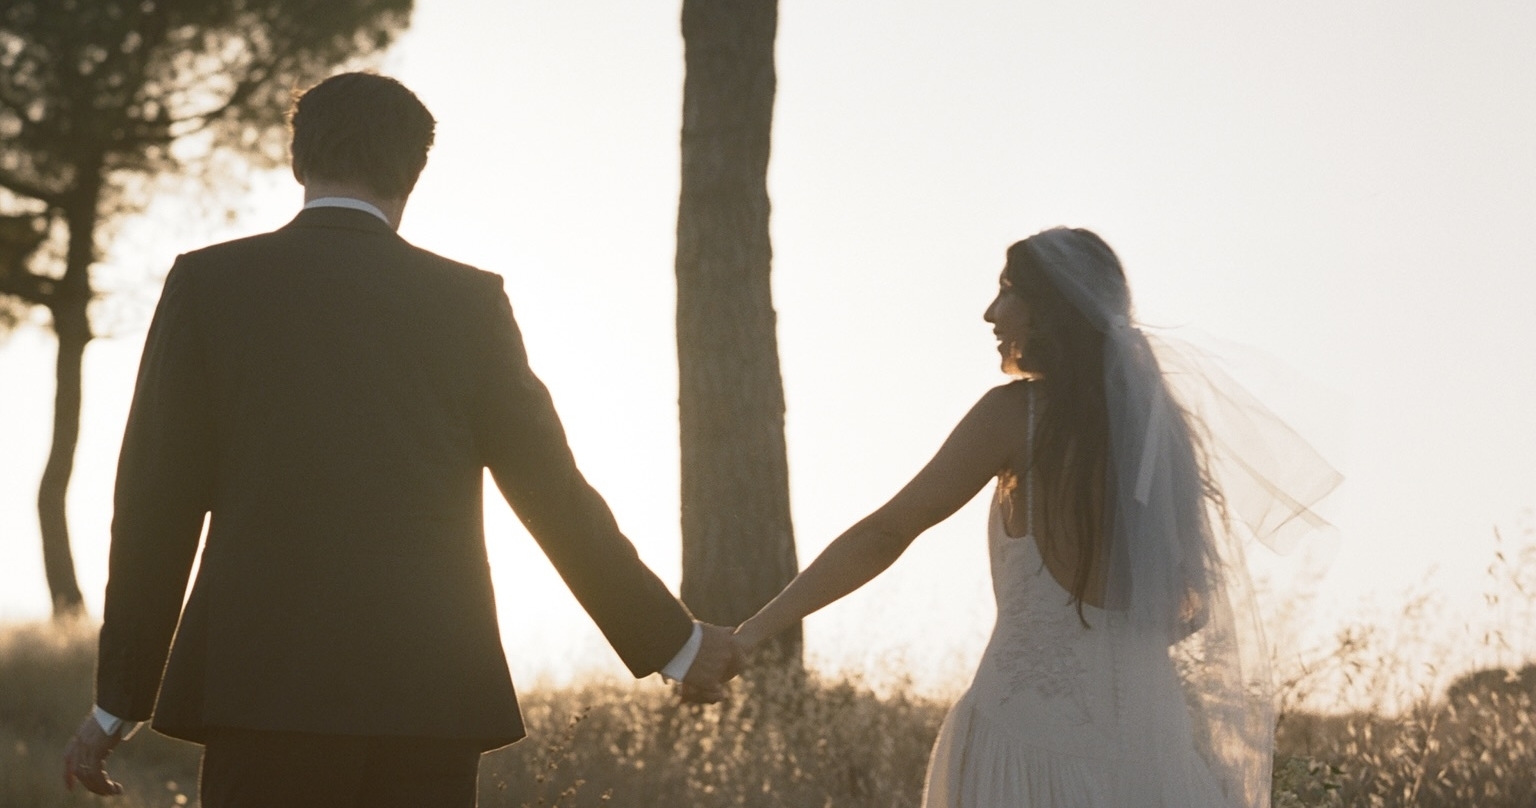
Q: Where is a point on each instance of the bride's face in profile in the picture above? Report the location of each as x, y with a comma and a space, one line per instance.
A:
1011, 322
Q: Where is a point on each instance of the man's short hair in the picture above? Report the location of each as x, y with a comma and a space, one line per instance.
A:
361, 128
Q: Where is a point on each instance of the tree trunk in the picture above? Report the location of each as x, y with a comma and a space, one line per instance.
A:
70, 307
738, 542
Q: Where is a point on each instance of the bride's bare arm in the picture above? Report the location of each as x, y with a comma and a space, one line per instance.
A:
980, 446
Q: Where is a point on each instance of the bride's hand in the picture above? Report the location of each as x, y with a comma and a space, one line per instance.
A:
744, 639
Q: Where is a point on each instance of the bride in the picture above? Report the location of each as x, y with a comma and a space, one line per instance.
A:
1127, 667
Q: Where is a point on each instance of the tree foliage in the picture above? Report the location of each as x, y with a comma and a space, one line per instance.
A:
119, 82
97, 96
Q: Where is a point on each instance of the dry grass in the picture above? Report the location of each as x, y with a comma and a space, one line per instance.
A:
777, 742
1424, 735
1419, 738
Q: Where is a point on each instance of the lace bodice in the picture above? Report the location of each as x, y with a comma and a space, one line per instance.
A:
1062, 713
1048, 671
1042, 658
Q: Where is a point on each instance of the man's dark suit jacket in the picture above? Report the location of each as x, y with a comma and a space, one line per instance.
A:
331, 394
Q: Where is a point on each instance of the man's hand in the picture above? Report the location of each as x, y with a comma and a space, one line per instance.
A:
718, 661
86, 756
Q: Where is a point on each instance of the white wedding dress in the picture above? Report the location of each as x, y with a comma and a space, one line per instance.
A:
1065, 716
1165, 699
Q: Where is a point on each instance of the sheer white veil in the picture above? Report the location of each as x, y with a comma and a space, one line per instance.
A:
1197, 469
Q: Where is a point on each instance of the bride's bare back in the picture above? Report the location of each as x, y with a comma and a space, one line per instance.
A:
1020, 507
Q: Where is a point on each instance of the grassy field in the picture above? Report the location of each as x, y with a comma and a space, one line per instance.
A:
821, 743
817, 744
1419, 735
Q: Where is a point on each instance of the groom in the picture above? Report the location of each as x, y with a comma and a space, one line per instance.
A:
328, 396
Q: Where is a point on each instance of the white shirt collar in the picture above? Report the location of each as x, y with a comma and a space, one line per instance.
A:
346, 202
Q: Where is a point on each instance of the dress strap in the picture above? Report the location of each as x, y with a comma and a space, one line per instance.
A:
1029, 470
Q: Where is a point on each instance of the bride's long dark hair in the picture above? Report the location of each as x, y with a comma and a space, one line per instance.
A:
1065, 355
1072, 440
1149, 482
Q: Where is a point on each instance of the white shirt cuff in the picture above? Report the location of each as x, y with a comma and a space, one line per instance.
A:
112, 725
675, 670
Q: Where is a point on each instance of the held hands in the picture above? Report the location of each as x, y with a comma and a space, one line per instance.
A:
85, 758
719, 660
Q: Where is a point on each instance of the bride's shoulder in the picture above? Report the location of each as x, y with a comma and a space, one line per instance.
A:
1006, 403
1013, 394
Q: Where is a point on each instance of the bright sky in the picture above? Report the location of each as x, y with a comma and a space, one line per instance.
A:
1348, 188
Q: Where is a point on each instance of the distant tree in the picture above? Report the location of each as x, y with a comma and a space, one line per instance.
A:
738, 542
1490, 682
97, 96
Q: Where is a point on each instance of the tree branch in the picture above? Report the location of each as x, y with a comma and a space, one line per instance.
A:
37, 290
242, 91
19, 186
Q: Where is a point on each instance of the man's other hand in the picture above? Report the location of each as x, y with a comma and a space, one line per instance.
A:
85, 758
